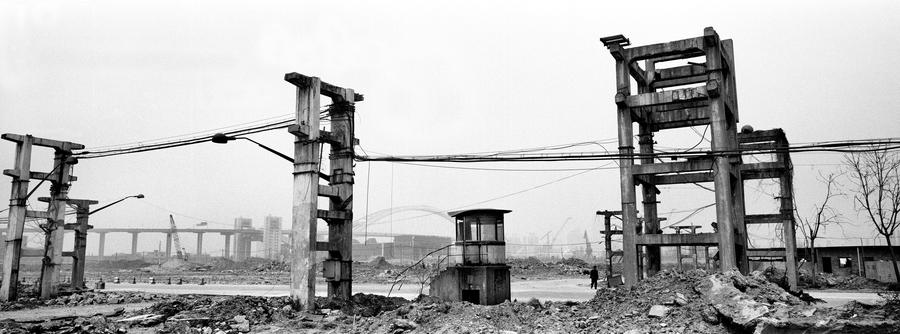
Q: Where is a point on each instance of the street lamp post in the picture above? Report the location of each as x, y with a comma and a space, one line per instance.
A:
113, 203
221, 138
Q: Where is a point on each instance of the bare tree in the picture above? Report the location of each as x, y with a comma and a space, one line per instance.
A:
876, 190
824, 216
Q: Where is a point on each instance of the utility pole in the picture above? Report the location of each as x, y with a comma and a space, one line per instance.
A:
307, 189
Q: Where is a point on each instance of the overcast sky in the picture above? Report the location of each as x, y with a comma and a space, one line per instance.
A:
438, 77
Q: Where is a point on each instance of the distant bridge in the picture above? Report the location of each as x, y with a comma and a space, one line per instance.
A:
240, 235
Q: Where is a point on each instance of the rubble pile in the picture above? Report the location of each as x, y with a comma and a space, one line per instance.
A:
826, 280
531, 267
848, 282
669, 302
273, 266
362, 304
81, 299
99, 324
376, 271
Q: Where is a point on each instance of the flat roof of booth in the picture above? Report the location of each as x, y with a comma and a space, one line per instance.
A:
473, 211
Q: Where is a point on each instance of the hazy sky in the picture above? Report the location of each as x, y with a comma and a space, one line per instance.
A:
438, 77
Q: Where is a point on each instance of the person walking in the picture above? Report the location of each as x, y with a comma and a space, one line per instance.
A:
595, 275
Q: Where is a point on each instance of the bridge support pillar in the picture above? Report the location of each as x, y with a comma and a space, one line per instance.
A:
134, 242
199, 243
101, 246
168, 246
227, 254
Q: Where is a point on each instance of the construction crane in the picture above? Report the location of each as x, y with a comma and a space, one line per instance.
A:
553, 242
174, 231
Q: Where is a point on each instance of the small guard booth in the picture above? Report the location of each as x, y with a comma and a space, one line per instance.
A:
477, 270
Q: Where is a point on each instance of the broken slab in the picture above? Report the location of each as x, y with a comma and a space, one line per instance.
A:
658, 311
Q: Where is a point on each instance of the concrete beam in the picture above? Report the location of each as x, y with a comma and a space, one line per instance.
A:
699, 239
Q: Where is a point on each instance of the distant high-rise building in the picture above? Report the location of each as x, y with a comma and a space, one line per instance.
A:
241, 223
272, 237
242, 242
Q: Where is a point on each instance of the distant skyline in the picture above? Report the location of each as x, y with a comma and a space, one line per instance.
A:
438, 77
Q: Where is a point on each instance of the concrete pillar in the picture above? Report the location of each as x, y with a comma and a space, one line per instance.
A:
304, 214
2, 245
199, 243
168, 246
239, 247
134, 243
102, 246
340, 230
720, 125
59, 190
787, 213
82, 210
78, 261
227, 246
16, 224
626, 163
649, 192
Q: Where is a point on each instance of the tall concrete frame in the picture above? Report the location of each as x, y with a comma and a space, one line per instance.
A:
339, 191
60, 179
781, 169
697, 94
682, 96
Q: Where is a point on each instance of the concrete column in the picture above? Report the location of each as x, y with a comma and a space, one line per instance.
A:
227, 246
626, 177
59, 190
2, 246
680, 256
787, 212
102, 246
239, 247
340, 230
78, 263
168, 246
199, 243
305, 193
16, 224
82, 210
649, 192
720, 125
134, 243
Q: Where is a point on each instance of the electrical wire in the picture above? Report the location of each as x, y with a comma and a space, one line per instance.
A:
842, 147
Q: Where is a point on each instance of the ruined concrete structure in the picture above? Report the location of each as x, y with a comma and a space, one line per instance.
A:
60, 179
477, 270
309, 139
698, 90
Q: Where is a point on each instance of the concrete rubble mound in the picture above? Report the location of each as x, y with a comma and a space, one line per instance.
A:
80, 299
532, 267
